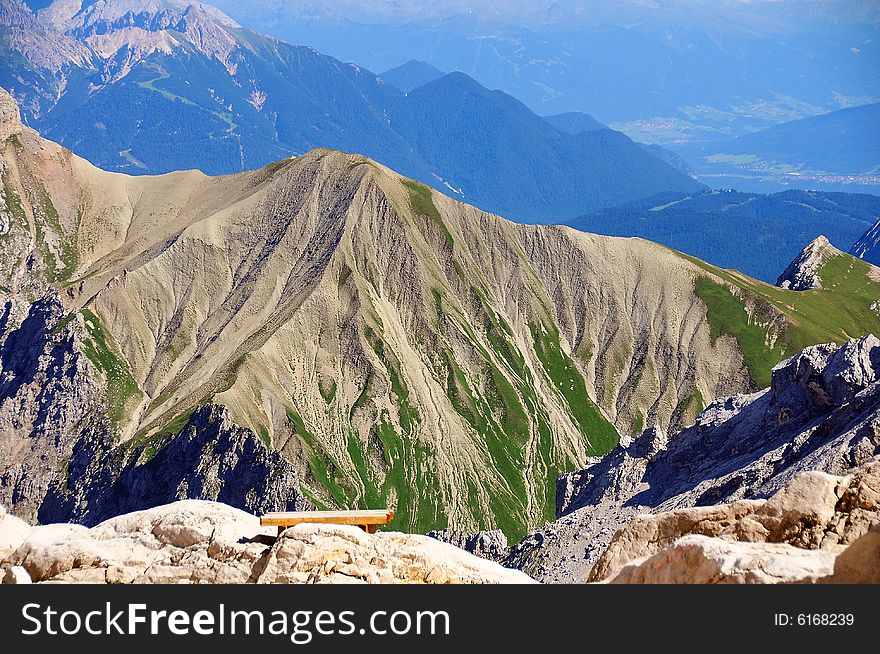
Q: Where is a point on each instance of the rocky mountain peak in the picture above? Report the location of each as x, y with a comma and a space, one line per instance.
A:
140, 28
802, 273
68, 15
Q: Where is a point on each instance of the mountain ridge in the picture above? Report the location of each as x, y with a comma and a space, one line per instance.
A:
376, 332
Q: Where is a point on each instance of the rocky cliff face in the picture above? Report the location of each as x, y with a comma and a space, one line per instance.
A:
822, 412
49, 394
209, 459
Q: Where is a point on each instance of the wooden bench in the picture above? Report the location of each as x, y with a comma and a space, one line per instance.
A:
369, 521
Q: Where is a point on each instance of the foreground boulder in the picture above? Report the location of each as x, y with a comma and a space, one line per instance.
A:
194, 541
797, 535
704, 560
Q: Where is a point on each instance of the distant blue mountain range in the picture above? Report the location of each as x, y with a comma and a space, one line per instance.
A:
756, 234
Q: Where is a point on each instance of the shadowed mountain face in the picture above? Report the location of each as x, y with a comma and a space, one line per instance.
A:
868, 246
398, 347
168, 85
412, 75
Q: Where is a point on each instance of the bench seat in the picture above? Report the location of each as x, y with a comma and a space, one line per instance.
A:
368, 520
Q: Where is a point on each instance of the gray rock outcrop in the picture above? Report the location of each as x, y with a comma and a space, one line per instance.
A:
802, 274
48, 392
210, 459
491, 545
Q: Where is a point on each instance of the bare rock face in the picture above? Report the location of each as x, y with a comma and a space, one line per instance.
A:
48, 392
860, 562
343, 554
10, 119
704, 560
207, 542
812, 512
491, 545
822, 412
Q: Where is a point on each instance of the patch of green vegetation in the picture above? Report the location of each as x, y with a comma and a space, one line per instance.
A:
838, 311
274, 166
502, 419
323, 465
102, 352
162, 74
438, 301
408, 414
410, 478
264, 436
65, 472
315, 501
422, 202
364, 396
64, 322
151, 444
695, 403
727, 315
13, 205
638, 424
329, 394
359, 160
133, 160
599, 434
505, 451
66, 246
372, 497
